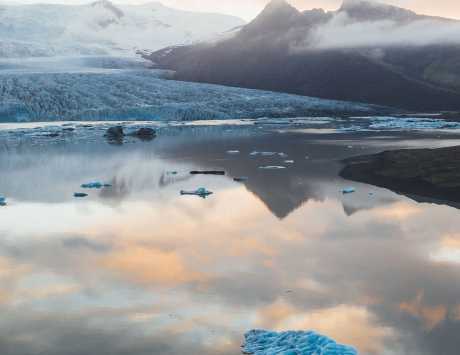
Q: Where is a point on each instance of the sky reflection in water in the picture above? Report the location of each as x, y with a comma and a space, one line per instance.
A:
138, 269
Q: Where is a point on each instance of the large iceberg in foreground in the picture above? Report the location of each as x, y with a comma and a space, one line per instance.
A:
263, 342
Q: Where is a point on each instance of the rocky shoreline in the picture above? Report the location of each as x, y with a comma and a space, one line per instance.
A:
425, 173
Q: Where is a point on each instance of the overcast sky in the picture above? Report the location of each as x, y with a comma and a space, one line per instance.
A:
247, 9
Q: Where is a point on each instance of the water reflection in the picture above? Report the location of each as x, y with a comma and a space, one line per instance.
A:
139, 269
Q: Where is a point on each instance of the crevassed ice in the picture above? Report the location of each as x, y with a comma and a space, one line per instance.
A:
264, 342
141, 95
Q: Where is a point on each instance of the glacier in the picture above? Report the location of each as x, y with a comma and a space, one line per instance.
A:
100, 88
264, 342
102, 27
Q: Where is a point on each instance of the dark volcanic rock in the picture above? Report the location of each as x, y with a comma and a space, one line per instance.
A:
115, 132
144, 133
431, 173
115, 135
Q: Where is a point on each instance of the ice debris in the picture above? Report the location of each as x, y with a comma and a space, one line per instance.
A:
263, 154
268, 154
263, 342
2, 201
94, 185
233, 152
272, 167
201, 192
80, 195
348, 190
289, 161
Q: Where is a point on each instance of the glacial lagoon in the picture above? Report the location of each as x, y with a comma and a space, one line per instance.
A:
137, 268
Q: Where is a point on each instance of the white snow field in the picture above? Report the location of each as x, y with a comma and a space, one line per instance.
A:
102, 27
263, 342
95, 88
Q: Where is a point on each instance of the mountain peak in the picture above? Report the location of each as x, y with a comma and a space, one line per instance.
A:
277, 6
108, 5
277, 16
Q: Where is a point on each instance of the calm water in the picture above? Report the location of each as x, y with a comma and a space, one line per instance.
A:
138, 269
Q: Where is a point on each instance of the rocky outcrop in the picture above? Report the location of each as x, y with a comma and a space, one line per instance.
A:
429, 173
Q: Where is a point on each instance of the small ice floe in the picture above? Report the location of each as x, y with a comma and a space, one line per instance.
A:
272, 167
289, 161
201, 192
80, 195
2, 200
348, 190
263, 342
94, 185
262, 154
241, 179
233, 152
207, 172
171, 173
283, 155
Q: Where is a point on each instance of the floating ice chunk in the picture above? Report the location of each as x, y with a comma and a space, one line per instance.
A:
171, 173
2, 200
80, 195
263, 154
283, 155
95, 185
348, 190
272, 167
263, 342
201, 192
289, 161
233, 152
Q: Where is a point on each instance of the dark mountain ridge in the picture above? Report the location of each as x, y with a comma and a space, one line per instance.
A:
277, 51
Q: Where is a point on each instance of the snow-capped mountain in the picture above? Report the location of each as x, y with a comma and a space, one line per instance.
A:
102, 27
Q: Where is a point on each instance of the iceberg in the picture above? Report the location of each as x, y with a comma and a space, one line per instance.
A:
348, 190
201, 192
272, 167
95, 185
263, 342
80, 195
2, 201
263, 154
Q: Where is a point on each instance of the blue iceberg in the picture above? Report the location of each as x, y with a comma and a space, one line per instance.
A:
348, 190
94, 185
263, 342
80, 195
201, 192
2, 200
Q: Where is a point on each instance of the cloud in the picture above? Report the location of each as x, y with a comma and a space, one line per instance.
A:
342, 32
